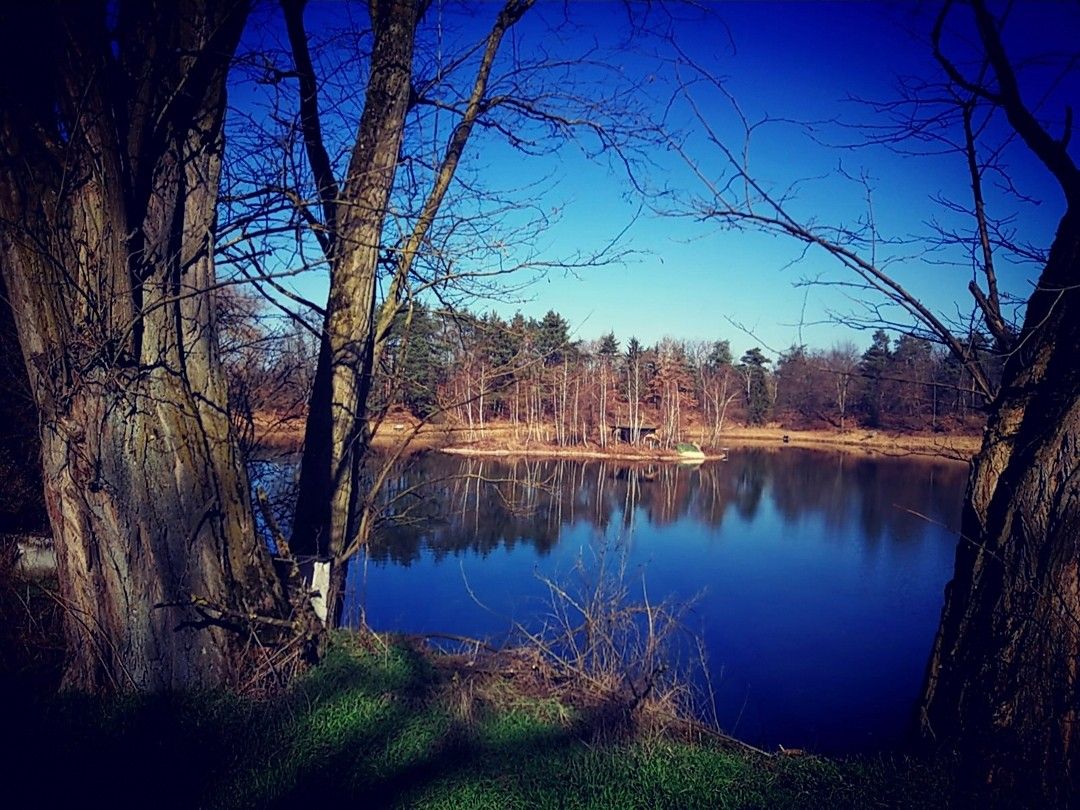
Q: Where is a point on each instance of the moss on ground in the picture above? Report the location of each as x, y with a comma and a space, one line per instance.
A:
383, 726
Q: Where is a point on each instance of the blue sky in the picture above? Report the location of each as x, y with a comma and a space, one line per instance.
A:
796, 61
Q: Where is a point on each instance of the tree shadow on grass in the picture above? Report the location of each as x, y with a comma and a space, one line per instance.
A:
376, 731
346, 777
361, 728
496, 755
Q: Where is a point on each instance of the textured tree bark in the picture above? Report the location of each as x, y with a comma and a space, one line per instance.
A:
328, 521
1002, 685
110, 168
336, 437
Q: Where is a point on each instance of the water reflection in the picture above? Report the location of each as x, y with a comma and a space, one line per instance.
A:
822, 573
457, 504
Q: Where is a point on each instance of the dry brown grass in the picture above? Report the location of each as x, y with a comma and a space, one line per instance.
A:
285, 434
501, 439
498, 440
605, 660
959, 446
277, 432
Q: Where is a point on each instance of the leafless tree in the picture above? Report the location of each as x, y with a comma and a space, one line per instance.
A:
1002, 685
842, 362
110, 150
389, 209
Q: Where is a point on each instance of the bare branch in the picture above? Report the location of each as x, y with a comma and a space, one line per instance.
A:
321, 166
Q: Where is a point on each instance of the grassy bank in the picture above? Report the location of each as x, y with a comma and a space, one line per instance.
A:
388, 725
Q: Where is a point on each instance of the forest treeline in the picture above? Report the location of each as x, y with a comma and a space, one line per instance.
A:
533, 375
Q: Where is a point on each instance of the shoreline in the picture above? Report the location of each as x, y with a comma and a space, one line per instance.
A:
960, 448
499, 441
577, 452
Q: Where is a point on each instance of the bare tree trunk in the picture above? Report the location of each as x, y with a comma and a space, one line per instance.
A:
107, 257
842, 399
575, 421
514, 411
1002, 685
633, 393
555, 415
480, 397
564, 437
328, 519
337, 434
722, 399
603, 403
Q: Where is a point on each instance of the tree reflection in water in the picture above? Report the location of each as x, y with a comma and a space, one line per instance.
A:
821, 574
456, 504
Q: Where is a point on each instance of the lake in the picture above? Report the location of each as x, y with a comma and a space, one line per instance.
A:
818, 576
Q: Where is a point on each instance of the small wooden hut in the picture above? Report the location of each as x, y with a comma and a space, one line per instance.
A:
626, 434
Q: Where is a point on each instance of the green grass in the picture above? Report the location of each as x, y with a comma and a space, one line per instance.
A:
379, 728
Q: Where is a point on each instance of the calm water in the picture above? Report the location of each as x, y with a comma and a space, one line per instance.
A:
820, 590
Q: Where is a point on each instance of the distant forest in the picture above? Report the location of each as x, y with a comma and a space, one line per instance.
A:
532, 374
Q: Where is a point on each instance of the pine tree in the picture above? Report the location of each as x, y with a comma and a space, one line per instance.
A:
609, 346
719, 355
422, 363
553, 338
875, 361
758, 401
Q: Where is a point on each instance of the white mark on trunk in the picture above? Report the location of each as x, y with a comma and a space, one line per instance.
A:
320, 586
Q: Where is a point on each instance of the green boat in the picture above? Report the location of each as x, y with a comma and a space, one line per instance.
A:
688, 451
